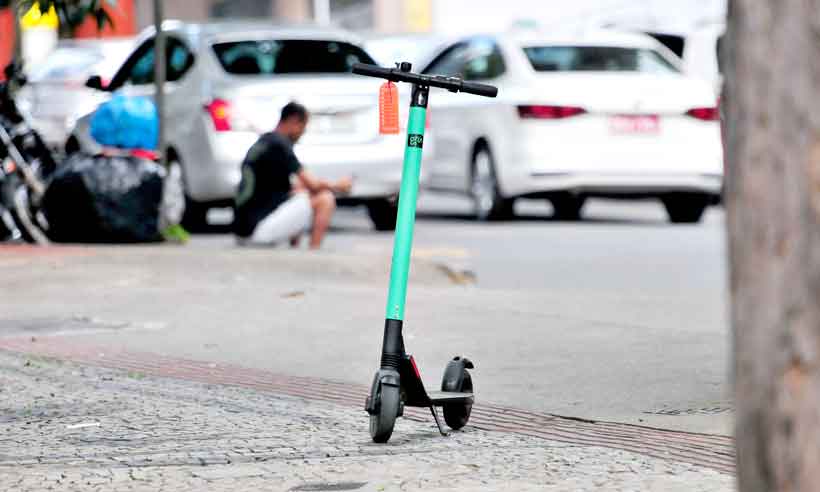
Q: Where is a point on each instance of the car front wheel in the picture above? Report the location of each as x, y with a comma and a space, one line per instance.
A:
488, 204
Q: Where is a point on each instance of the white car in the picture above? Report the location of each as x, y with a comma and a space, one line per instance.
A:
592, 114
699, 48
227, 83
56, 95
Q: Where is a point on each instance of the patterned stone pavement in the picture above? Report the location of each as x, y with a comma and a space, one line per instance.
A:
77, 428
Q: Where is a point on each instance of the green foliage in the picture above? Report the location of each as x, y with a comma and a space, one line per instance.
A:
72, 13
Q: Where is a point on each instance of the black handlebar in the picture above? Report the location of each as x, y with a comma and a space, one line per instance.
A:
452, 84
485, 90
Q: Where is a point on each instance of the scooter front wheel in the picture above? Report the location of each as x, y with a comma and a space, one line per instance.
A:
382, 422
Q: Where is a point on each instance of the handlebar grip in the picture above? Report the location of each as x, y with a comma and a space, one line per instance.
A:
479, 89
372, 70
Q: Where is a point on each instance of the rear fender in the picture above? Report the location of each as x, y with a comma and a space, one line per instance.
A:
453, 378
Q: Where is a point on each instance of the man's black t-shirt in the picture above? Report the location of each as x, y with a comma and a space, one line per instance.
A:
265, 184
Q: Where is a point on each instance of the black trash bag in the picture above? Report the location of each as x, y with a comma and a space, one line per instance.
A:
104, 199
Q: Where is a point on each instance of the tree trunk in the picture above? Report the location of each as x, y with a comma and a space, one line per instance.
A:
773, 205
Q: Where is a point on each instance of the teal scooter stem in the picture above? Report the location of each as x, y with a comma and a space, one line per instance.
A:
398, 382
403, 240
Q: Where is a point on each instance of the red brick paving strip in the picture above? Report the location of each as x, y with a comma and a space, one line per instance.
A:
24, 250
710, 451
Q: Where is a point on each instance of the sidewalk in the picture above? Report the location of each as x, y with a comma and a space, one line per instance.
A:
75, 428
648, 360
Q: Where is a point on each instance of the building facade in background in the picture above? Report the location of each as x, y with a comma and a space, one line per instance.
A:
6, 39
352, 14
446, 16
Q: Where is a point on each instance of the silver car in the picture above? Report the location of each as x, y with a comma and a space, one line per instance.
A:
227, 83
56, 95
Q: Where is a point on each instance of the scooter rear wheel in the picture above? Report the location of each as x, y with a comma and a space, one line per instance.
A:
383, 421
458, 414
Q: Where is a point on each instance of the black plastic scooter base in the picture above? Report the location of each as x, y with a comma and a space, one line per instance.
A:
439, 398
398, 368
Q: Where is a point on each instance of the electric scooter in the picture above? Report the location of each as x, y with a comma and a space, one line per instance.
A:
397, 384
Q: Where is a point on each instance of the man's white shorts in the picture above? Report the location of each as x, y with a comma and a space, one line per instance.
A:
291, 218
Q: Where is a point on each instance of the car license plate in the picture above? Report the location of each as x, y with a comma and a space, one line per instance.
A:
630, 124
325, 124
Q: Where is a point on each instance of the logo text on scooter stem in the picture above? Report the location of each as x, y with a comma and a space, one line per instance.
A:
415, 140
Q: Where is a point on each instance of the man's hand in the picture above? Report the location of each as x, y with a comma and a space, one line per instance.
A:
343, 185
314, 185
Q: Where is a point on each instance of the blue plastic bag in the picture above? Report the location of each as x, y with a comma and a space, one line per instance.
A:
126, 122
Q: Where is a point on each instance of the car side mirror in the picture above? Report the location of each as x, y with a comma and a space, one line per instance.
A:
95, 82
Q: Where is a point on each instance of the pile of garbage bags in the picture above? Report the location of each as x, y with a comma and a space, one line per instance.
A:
104, 199
113, 197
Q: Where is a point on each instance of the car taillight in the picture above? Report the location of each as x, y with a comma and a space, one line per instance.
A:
705, 114
220, 111
549, 112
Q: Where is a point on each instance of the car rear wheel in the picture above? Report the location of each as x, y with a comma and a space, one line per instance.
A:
177, 206
685, 208
488, 204
383, 213
194, 219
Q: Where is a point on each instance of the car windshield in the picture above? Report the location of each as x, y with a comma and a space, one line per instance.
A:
67, 63
267, 57
78, 62
597, 59
388, 51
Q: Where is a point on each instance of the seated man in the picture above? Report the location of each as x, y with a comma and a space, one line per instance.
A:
268, 209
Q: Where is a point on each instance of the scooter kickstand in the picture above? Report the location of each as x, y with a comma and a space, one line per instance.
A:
438, 422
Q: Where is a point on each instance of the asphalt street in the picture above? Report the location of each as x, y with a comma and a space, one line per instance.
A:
624, 247
620, 317
618, 247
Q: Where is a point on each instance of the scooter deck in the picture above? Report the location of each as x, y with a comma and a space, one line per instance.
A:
439, 398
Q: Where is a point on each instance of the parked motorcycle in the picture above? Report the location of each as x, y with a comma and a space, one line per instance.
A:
26, 163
